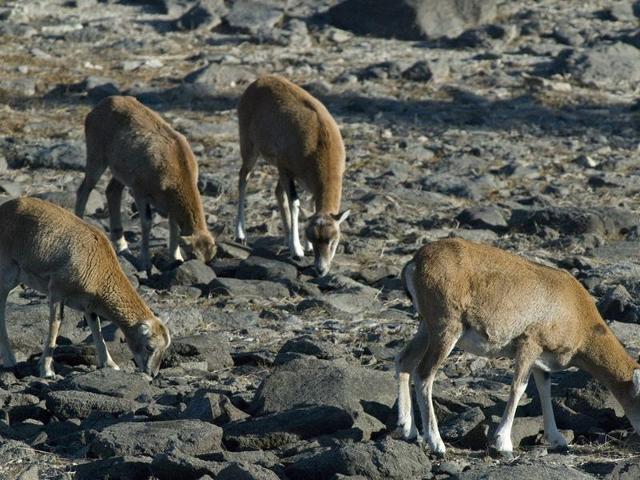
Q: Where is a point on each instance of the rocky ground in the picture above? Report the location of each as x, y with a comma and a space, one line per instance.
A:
521, 132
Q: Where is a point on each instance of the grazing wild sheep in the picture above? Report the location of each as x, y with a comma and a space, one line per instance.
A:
51, 250
144, 153
496, 304
294, 132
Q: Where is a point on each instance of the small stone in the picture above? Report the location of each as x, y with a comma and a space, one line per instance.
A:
191, 272
248, 288
213, 408
252, 16
444, 18
203, 14
483, 217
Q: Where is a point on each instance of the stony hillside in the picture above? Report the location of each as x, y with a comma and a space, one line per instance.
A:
511, 123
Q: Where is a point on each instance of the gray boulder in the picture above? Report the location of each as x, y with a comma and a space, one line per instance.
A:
114, 383
213, 408
221, 76
150, 438
212, 348
246, 471
248, 288
489, 217
386, 459
28, 325
204, 14
537, 471
464, 429
192, 272
612, 66
626, 470
450, 18
176, 464
284, 428
252, 16
307, 345
66, 404
117, 467
308, 381
378, 18
260, 268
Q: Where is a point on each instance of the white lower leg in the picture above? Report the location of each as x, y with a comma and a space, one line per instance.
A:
102, 353
174, 244
406, 422
502, 440
551, 433
240, 227
120, 244
431, 433
294, 242
46, 360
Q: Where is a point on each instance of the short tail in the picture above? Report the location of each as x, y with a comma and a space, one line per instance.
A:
407, 279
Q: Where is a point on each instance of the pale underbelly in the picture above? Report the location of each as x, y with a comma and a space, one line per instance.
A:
473, 342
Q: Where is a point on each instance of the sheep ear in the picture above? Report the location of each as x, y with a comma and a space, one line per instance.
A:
341, 217
635, 387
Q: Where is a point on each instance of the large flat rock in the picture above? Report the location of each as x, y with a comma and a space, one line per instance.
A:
309, 381
192, 437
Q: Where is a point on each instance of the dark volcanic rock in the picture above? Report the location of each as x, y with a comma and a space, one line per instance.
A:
205, 13
211, 185
176, 464
98, 88
210, 347
423, 71
246, 471
66, 156
28, 325
387, 459
221, 76
107, 381
379, 18
149, 438
626, 470
260, 268
537, 471
283, 428
609, 222
213, 408
483, 217
618, 304
307, 345
310, 381
74, 404
116, 467
463, 429
252, 16
192, 272
610, 66
248, 288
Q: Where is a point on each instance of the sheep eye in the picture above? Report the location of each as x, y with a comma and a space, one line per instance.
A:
149, 348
